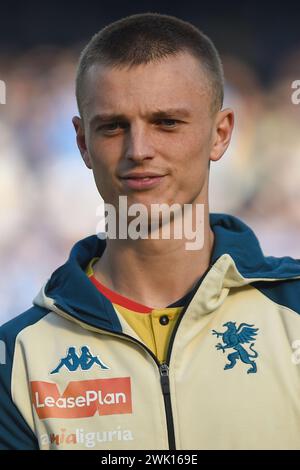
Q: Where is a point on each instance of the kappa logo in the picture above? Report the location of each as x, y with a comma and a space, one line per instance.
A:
82, 399
73, 361
233, 338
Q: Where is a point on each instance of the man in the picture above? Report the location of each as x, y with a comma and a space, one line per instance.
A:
167, 347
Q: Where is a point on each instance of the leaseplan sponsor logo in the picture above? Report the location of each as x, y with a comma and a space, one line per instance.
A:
82, 399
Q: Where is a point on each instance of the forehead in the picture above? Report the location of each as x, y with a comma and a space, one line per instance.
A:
175, 80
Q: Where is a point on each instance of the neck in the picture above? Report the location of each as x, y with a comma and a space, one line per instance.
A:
154, 272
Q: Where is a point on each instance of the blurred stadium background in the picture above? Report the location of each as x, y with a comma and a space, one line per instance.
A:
48, 199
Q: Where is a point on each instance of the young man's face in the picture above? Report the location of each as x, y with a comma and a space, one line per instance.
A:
143, 134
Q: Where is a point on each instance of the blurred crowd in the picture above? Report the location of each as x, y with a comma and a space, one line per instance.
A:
48, 199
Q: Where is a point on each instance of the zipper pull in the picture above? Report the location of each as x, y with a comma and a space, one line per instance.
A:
164, 378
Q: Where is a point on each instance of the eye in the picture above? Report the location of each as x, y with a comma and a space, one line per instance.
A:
111, 127
167, 122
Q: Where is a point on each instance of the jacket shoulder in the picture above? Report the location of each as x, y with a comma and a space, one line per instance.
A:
285, 292
15, 432
10, 330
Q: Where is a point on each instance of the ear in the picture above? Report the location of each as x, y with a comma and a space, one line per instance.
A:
80, 139
223, 127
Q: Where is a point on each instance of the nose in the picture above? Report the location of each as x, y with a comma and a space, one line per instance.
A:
138, 143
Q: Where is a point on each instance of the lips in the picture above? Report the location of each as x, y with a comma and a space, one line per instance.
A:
145, 174
142, 180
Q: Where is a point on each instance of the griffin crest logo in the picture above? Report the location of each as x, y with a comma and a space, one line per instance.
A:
233, 338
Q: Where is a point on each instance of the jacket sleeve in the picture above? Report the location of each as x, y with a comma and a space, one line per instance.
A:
15, 434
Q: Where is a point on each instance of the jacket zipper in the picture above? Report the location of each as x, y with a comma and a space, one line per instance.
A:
165, 385
164, 371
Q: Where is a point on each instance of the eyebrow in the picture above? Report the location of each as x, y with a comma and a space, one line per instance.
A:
159, 113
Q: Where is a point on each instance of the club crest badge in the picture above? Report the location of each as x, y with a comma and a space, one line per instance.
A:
233, 338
